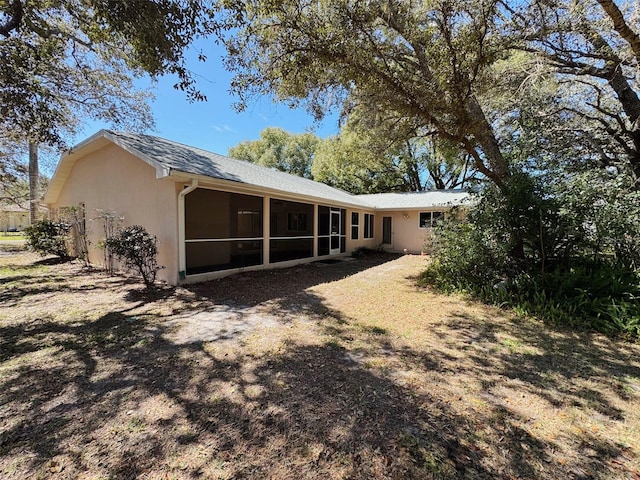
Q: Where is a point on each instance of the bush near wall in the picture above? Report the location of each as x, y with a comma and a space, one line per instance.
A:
546, 254
138, 249
49, 238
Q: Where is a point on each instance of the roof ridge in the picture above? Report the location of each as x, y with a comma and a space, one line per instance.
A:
243, 161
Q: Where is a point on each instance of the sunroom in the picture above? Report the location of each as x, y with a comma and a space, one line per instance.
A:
230, 231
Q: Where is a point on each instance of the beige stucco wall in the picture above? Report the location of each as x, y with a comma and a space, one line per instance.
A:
405, 230
361, 241
112, 179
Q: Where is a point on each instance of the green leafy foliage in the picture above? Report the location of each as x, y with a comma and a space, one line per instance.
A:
49, 238
564, 256
603, 209
594, 296
139, 251
380, 153
346, 162
277, 148
61, 62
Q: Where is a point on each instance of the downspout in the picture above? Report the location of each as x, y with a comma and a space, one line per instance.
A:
182, 255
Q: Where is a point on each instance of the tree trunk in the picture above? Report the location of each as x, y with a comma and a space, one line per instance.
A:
627, 96
496, 167
34, 178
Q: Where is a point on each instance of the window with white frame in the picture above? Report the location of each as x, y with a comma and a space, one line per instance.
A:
430, 219
355, 225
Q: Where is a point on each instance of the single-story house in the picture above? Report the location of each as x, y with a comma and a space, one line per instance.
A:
215, 215
15, 217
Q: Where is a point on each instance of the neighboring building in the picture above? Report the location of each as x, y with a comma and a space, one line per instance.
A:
15, 218
215, 215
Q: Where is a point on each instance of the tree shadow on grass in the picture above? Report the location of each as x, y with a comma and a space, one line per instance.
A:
117, 398
311, 408
563, 367
252, 288
31, 283
590, 373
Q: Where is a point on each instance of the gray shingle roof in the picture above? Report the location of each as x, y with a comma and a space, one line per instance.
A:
191, 160
171, 157
409, 200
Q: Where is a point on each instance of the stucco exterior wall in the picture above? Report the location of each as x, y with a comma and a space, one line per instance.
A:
112, 179
405, 230
371, 243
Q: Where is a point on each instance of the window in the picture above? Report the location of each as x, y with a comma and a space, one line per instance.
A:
355, 225
368, 225
430, 219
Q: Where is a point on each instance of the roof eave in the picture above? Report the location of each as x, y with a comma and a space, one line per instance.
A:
204, 180
95, 142
416, 208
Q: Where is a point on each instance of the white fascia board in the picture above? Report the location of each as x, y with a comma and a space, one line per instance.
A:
249, 189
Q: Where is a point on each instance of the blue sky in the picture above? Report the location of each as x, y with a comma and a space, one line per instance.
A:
214, 125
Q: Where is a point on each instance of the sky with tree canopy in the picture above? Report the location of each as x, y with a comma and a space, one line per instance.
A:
214, 125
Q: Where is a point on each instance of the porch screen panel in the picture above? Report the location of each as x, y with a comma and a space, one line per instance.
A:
324, 230
324, 221
323, 246
343, 230
222, 231
291, 228
207, 214
203, 257
282, 250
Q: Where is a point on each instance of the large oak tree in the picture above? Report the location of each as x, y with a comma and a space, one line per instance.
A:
593, 49
423, 60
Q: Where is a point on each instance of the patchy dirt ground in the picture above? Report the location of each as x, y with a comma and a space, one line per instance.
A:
322, 371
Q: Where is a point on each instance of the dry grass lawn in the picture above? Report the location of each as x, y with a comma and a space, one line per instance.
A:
323, 371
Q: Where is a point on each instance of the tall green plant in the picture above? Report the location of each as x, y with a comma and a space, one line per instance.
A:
562, 252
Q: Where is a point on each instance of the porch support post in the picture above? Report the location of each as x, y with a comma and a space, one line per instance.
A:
266, 229
315, 229
182, 255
